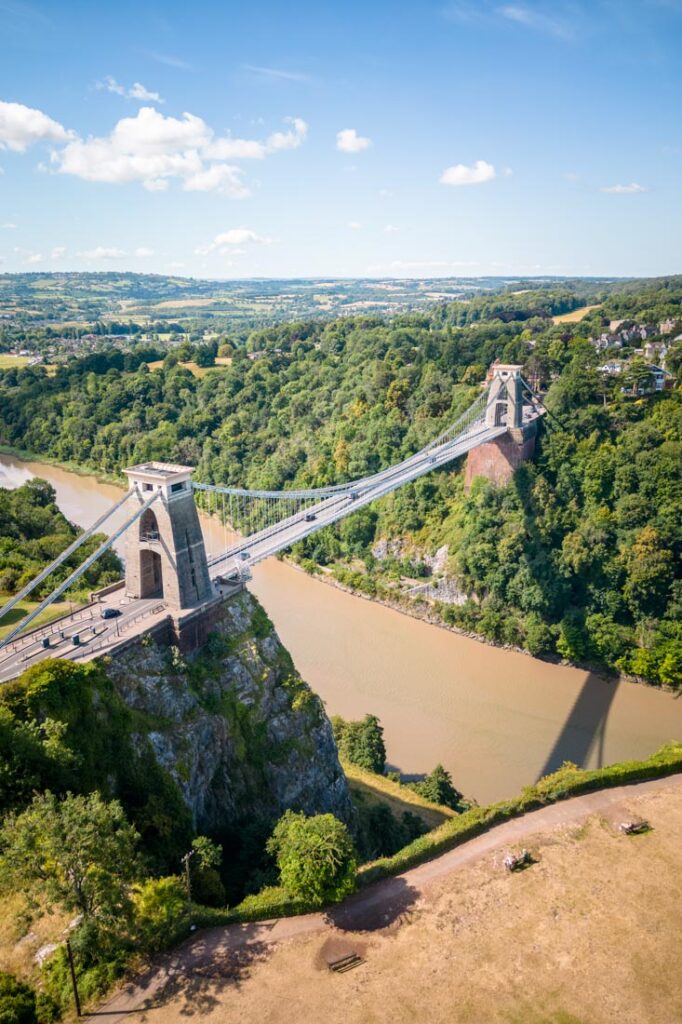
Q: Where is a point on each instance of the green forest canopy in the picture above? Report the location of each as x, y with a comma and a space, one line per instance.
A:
579, 556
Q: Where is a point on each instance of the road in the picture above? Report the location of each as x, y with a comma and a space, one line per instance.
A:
95, 633
377, 906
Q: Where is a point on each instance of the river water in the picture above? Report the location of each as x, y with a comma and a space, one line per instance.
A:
496, 719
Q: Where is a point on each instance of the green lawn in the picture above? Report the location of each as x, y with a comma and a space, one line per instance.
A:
7, 360
8, 622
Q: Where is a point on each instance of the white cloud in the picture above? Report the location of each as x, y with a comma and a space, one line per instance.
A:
390, 229
354, 225
21, 127
153, 148
34, 258
103, 252
623, 190
348, 141
460, 174
291, 139
530, 18
58, 252
137, 91
226, 240
222, 178
277, 73
9, 226
228, 148
142, 252
169, 60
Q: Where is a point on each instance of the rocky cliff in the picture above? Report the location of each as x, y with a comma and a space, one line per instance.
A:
234, 726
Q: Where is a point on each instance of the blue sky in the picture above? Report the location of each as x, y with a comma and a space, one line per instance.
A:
356, 139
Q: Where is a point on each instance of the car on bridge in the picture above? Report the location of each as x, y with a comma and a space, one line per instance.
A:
110, 613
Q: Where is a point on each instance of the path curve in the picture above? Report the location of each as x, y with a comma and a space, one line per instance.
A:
373, 908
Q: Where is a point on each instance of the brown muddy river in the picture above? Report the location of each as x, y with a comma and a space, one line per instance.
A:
496, 719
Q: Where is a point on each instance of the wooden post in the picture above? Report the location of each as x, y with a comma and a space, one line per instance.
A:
72, 969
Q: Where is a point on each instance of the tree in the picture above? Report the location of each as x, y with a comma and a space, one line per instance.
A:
315, 856
361, 743
207, 886
78, 853
17, 1001
438, 788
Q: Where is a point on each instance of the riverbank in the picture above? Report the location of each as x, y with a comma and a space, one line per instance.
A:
494, 719
70, 467
421, 610
416, 609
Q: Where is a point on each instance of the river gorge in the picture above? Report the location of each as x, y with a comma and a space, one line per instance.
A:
497, 719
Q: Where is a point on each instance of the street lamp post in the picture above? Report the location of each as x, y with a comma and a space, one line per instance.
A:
188, 883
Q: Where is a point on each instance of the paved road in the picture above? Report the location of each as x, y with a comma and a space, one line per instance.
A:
95, 633
371, 909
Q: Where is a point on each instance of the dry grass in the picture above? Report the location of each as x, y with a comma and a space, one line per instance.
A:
189, 303
575, 316
378, 789
21, 937
588, 935
8, 360
196, 371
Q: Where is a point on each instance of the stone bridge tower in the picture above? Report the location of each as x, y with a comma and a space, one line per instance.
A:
497, 459
164, 554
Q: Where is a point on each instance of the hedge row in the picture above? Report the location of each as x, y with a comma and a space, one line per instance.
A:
567, 782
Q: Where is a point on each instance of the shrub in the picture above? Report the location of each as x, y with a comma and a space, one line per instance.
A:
17, 1001
159, 904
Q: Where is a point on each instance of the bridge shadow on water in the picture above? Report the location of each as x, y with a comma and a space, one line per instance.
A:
585, 726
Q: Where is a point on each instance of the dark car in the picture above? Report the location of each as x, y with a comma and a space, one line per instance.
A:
310, 517
110, 613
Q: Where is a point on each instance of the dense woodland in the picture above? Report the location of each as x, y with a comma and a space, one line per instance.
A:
578, 557
33, 532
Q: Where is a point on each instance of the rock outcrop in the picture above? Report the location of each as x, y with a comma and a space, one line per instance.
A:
235, 727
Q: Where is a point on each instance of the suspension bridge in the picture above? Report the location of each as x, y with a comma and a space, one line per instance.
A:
167, 568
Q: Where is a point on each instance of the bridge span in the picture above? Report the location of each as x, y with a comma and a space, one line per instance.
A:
168, 576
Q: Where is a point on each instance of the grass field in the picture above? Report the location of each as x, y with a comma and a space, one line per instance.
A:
197, 371
8, 622
376, 789
575, 316
587, 935
7, 360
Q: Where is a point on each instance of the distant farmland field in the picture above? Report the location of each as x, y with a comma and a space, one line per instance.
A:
575, 316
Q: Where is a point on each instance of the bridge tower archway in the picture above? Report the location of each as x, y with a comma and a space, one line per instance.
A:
151, 573
165, 555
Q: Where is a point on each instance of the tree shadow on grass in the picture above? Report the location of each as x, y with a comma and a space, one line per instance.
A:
196, 977
386, 904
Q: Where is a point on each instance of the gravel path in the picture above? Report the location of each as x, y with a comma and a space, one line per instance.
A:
376, 907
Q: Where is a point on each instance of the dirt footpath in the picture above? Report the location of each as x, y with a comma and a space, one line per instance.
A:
590, 934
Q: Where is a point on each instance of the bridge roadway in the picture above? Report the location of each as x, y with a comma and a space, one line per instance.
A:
98, 635
288, 531
95, 634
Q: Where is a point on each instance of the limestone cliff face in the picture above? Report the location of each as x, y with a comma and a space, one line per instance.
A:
234, 725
